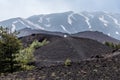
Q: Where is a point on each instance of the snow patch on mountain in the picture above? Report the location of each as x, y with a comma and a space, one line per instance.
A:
47, 25
21, 21
117, 32
86, 20
115, 20
13, 28
69, 19
48, 19
40, 20
63, 27
109, 34
105, 22
35, 25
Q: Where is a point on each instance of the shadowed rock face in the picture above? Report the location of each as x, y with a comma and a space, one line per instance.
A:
95, 35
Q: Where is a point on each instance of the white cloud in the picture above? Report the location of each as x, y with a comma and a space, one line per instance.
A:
25, 8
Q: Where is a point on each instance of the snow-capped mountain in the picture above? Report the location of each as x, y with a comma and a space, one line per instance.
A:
70, 22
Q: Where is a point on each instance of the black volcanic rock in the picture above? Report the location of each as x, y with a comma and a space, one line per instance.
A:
97, 69
61, 48
79, 51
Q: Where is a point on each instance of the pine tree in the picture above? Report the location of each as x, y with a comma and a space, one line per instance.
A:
9, 47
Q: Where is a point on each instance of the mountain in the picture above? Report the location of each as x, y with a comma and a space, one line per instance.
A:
70, 22
95, 35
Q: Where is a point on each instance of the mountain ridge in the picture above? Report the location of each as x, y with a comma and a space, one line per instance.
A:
69, 22
95, 35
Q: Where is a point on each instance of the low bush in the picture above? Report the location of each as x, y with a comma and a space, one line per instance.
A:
67, 62
112, 45
26, 56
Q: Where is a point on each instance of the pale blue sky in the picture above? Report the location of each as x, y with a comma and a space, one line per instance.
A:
25, 8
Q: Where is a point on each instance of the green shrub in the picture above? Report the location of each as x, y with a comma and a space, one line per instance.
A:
67, 62
26, 55
112, 45
37, 44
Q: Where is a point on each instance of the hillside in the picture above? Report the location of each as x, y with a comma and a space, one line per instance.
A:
60, 48
89, 60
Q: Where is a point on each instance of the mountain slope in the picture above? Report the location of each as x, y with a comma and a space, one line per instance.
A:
95, 35
18, 24
70, 22
71, 47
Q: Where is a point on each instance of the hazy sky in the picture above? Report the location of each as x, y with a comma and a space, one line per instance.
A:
25, 8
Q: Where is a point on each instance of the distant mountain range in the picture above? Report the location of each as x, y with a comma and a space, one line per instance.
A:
95, 35
69, 22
